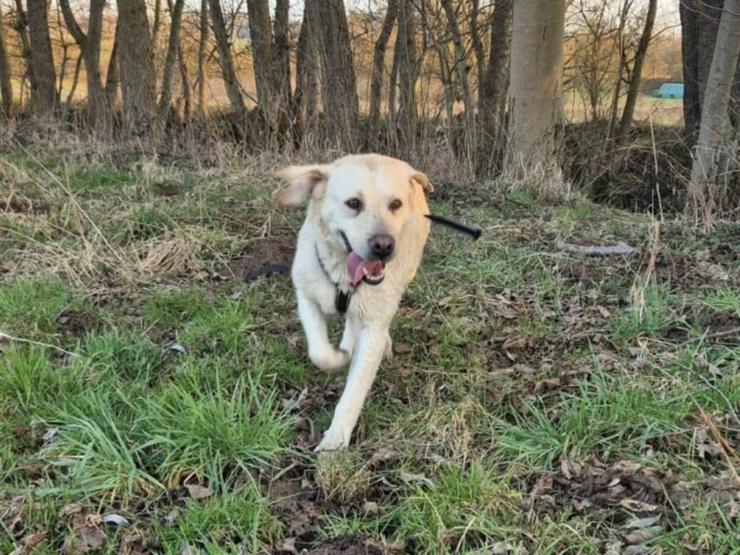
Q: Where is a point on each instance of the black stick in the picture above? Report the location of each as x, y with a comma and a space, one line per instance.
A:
474, 233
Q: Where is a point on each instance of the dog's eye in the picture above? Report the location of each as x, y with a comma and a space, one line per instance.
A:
395, 205
354, 204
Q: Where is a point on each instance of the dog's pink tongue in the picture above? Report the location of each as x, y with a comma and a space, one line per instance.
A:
356, 268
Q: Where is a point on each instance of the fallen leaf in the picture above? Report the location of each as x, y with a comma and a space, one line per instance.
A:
70, 509
408, 477
287, 546
171, 517
643, 535
198, 492
636, 506
116, 520
32, 540
638, 523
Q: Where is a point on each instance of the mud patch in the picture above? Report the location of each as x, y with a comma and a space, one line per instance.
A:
262, 257
166, 189
23, 206
347, 545
77, 322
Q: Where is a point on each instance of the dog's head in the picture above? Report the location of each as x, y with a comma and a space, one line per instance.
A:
363, 201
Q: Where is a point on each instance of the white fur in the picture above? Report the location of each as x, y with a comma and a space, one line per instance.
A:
377, 180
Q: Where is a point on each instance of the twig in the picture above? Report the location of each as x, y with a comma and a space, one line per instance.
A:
620, 249
9, 337
728, 452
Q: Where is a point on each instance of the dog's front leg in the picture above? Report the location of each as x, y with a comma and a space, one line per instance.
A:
365, 362
321, 352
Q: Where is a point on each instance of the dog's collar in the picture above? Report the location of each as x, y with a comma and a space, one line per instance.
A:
341, 297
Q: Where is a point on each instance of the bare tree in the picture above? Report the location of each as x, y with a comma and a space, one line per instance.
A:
378, 71
305, 99
173, 49
492, 91
136, 58
225, 59
6, 84
21, 27
202, 44
535, 92
98, 108
714, 118
339, 83
271, 62
44, 98
112, 75
407, 75
634, 88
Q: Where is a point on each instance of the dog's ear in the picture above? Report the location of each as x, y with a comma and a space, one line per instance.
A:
423, 181
303, 182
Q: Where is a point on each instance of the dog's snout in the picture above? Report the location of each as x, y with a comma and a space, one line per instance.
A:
382, 246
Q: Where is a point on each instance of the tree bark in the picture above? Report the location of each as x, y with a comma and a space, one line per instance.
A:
6, 84
202, 43
173, 48
98, 108
492, 92
282, 64
339, 82
378, 72
407, 75
21, 26
705, 191
260, 31
225, 59
535, 92
44, 99
305, 99
136, 58
112, 76
634, 88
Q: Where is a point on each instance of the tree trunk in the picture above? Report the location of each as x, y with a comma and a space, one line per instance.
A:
461, 66
98, 108
492, 92
535, 92
282, 64
475, 38
634, 89
112, 77
173, 48
407, 75
714, 119
305, 100
621, 64
378, 72
202, 43
260, 31
136, 58
185, 88
21, 26
44, 98
339, 83
699, 24
224, 57
6, 84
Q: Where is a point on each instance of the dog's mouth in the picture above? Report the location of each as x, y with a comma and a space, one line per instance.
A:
371, 272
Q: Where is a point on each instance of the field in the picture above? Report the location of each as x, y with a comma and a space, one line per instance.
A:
538, 401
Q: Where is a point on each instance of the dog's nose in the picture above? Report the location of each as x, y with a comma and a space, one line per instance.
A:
382, 246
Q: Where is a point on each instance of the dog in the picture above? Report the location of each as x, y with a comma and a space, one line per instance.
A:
359, 248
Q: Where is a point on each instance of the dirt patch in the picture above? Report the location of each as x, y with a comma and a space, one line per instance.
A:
263, 256
346, 545
23, 206
77, 322
721, 326
166, 189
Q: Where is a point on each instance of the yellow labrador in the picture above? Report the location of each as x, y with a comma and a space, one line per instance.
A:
357, 251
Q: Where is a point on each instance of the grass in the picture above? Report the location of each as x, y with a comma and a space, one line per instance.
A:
537, 402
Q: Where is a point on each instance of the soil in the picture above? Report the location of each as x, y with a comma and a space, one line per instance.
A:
263, 257
77, 322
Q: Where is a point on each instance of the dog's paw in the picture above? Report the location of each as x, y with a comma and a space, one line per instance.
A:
329, 358
334, 439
